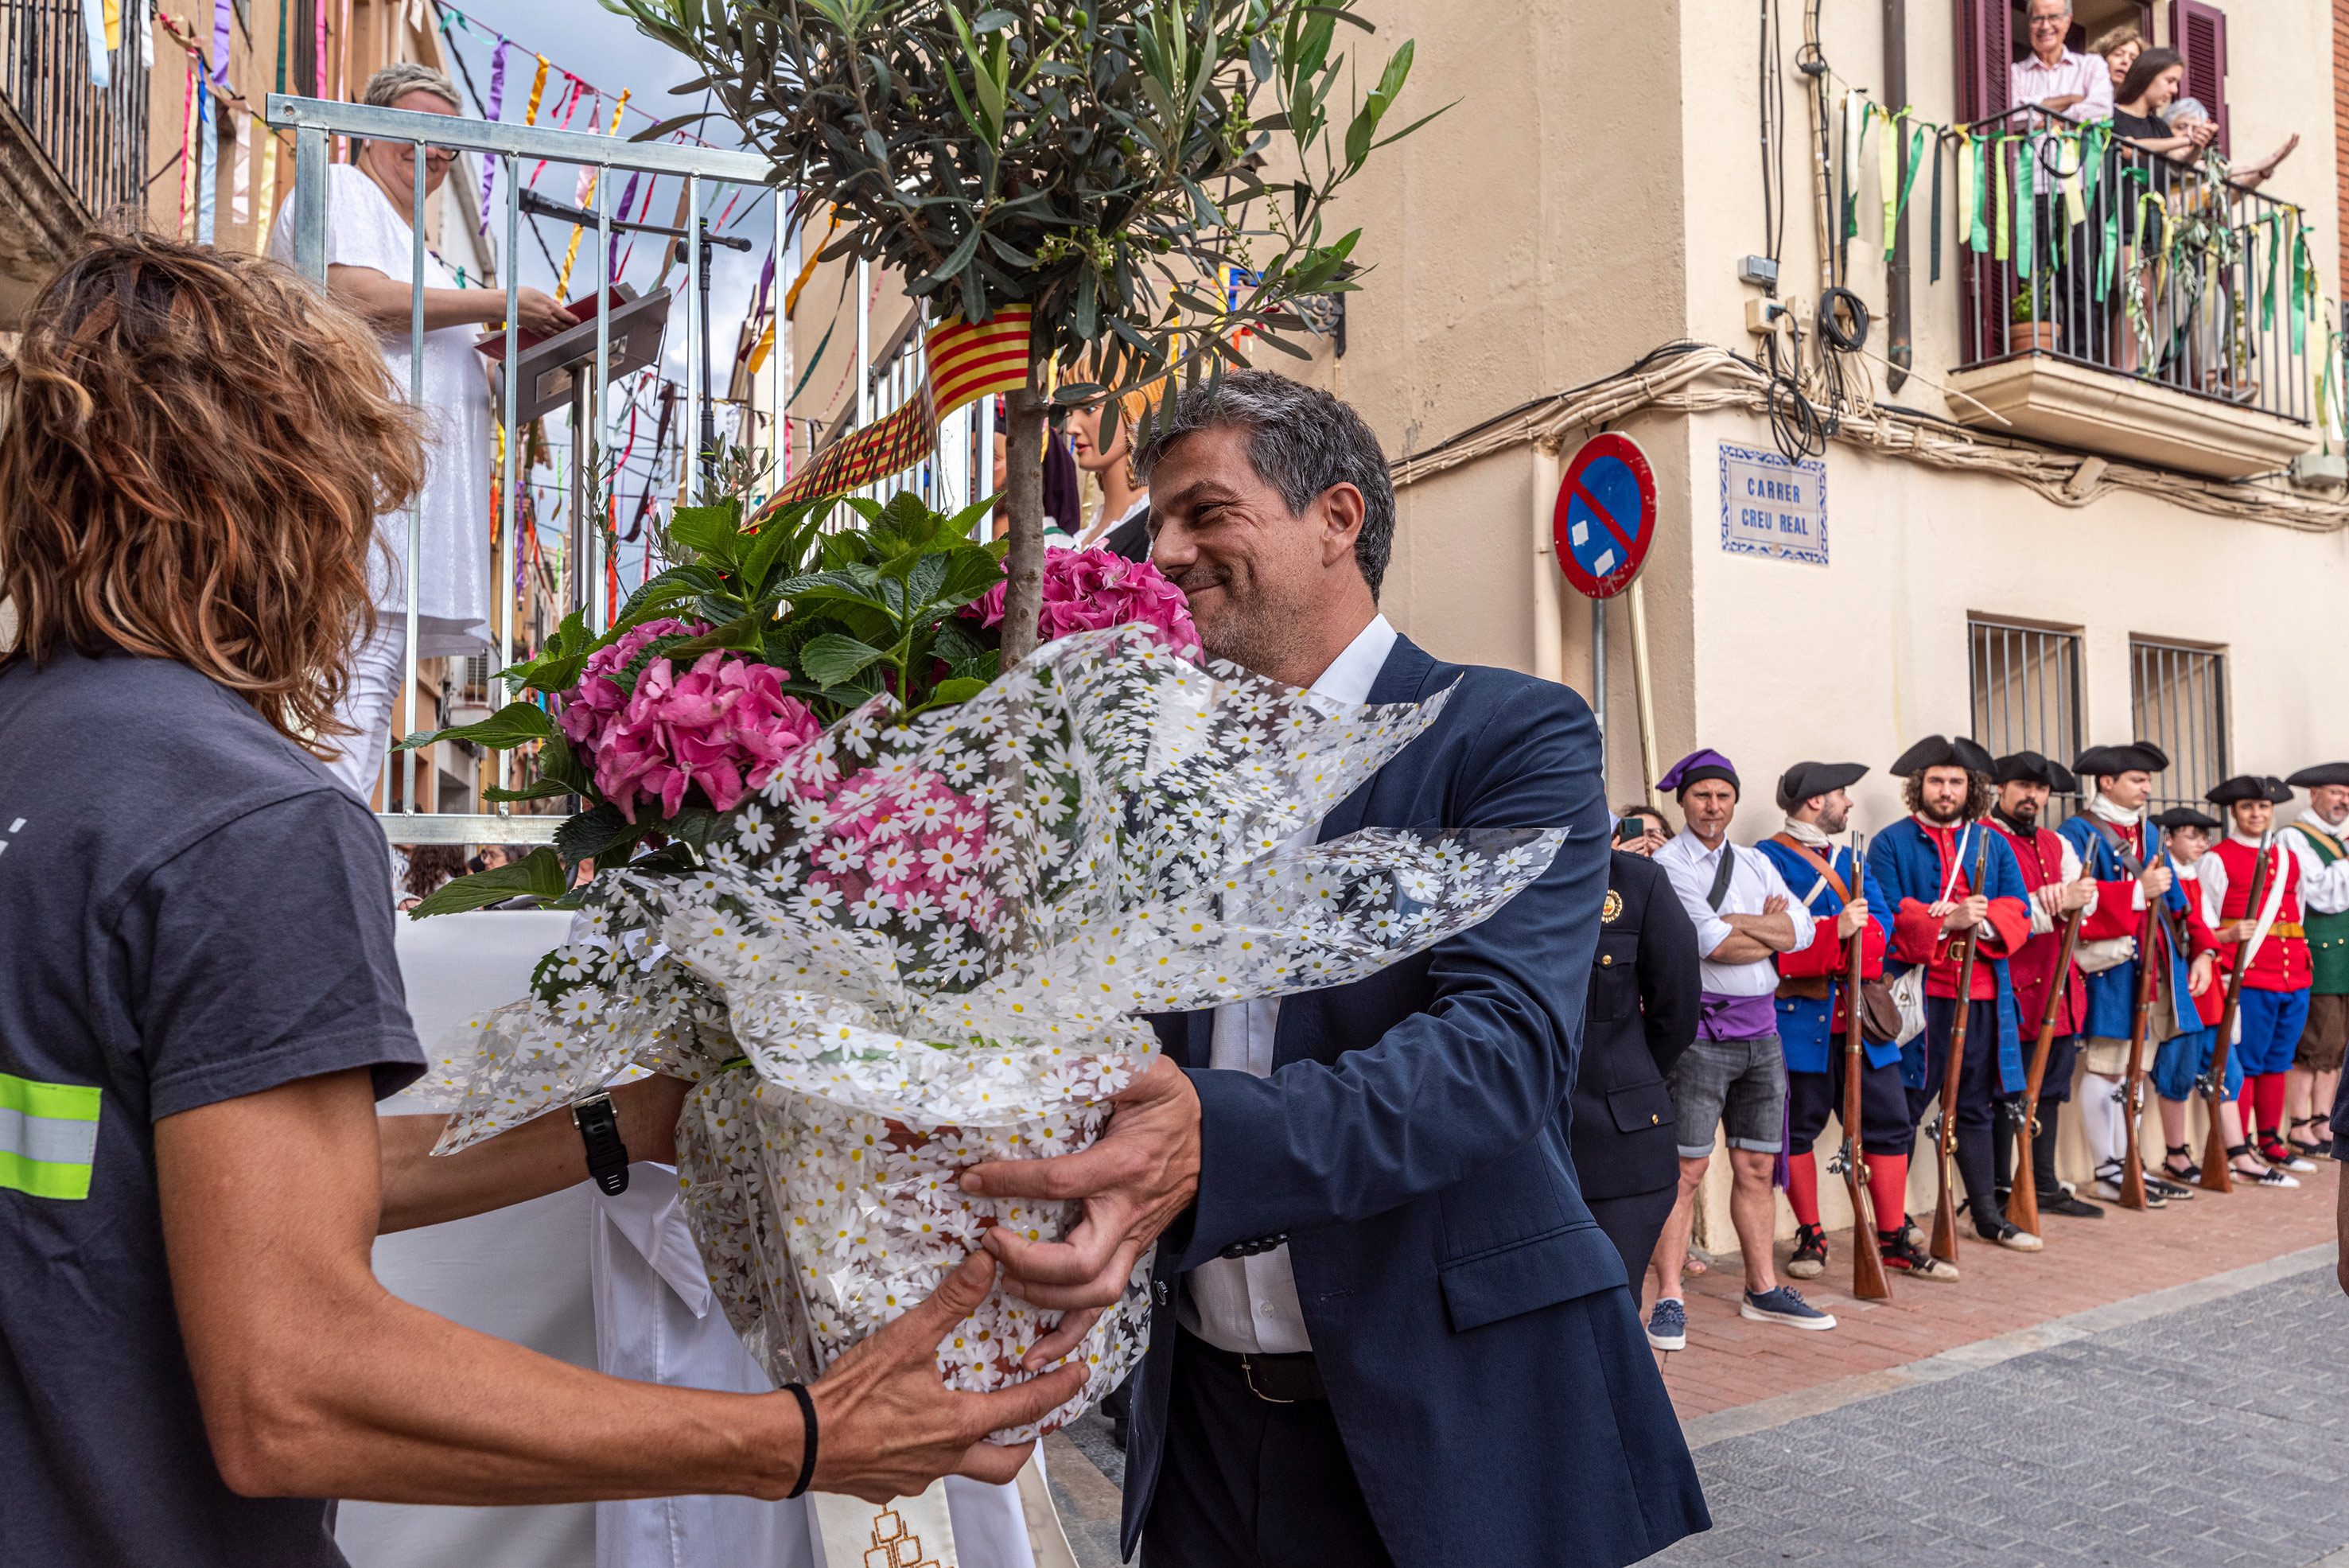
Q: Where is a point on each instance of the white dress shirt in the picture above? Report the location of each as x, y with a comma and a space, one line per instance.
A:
1692, 867
2324, 890
1248, 1305
2028, 82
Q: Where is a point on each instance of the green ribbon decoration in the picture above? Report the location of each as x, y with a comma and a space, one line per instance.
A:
1894, 211
2023, 248
1980, 204
2302, 272
2274, 221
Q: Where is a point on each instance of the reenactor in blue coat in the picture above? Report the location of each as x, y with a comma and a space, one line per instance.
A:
1926, 865
2129, 871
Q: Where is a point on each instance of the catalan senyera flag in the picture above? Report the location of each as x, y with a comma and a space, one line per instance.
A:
966, 363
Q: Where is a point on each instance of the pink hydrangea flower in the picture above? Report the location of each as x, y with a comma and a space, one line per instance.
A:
725, 724
1088, 590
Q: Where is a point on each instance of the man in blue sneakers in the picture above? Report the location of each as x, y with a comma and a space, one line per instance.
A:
1733, 1075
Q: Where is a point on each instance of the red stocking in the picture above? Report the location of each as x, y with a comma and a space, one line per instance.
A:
2268, 1092
1803, 1187
1887, 1188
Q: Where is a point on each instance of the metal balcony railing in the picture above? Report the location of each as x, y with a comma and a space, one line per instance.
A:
94, 138
2099, 253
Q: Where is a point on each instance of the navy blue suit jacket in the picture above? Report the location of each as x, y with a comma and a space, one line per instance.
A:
1482, 1356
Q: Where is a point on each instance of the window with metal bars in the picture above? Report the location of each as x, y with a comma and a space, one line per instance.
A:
2026, 693
2177, 699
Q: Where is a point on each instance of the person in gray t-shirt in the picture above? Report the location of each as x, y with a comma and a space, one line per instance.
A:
200, 1003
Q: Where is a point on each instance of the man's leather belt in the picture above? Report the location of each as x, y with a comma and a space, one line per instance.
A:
2287, 928
1293, 1379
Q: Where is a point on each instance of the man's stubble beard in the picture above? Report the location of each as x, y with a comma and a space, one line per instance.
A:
1943, 816
1247, 629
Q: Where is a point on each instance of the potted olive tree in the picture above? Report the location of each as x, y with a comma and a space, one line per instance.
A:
1112, 164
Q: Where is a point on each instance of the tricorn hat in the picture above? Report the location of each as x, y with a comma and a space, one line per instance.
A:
2322, 773
1943, 751
2250, 786
1803, 780
2111, 761
1700, 764
2030, 767
2185, 816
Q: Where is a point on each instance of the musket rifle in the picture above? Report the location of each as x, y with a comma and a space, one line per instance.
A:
1867, 1281
2023, 1201
2133, 1086
2218, 1169
1945, 1205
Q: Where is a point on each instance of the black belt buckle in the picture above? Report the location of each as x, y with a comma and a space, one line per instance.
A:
1284, 1379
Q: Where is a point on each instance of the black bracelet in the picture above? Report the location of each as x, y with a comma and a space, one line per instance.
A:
807, 1449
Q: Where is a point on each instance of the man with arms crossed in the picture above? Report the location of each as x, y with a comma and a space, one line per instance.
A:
1733, 1077
1377, 1275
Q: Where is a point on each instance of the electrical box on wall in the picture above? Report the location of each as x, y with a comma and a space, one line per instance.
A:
1759, 271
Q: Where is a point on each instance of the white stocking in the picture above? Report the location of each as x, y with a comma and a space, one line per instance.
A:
2101, 1121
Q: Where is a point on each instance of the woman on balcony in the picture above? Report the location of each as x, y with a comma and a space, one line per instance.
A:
370, 252
2148, 157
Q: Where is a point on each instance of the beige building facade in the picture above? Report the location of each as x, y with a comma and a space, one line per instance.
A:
1587, 203
2039, 549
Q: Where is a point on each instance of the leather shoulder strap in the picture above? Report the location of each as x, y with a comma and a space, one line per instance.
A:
2118, 845
1811, 858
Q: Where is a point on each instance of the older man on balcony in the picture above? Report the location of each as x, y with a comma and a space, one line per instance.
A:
2063, 86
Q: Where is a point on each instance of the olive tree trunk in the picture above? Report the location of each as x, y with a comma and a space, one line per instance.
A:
1023, 456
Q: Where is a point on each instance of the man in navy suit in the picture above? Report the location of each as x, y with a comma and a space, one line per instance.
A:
1386, 1328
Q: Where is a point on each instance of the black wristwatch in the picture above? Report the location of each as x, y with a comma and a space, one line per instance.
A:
599, 1130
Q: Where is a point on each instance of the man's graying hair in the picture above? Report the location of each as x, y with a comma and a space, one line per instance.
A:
392, 83
1300, 440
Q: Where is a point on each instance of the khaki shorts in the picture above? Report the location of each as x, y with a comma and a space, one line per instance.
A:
2326, 1039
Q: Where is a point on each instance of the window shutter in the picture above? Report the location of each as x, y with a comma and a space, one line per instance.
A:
2200, 31
1985, 50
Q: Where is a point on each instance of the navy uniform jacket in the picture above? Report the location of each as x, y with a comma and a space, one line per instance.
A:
1642, 1015
1905, 863
1484, 1359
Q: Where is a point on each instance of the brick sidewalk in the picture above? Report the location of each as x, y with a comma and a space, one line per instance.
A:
2087, 1263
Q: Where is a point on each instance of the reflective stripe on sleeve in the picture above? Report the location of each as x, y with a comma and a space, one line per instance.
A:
48, 1135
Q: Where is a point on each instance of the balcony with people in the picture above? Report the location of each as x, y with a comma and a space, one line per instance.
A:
69, 150
2126, 285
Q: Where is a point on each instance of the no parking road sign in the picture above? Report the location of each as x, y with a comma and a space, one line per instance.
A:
1606, 516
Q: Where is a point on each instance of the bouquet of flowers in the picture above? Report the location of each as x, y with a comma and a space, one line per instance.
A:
896, 930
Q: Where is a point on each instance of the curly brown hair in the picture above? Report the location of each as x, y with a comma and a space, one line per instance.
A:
194, 445
1981, 793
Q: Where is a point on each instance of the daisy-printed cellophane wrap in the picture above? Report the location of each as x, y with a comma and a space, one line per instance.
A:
927, 944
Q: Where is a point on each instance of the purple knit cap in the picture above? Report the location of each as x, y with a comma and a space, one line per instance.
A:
1700, 764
